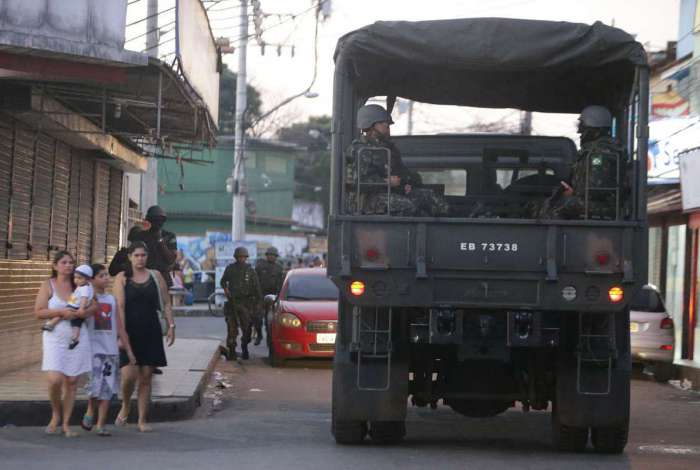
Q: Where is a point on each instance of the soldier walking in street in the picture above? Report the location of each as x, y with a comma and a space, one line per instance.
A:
270, 274
242, 289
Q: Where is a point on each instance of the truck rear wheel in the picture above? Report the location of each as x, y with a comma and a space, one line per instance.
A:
610, 440
387, 432
348, 432
568, 438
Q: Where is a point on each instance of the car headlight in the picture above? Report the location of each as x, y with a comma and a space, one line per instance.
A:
289, 320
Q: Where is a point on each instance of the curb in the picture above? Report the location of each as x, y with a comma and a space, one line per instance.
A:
36, 413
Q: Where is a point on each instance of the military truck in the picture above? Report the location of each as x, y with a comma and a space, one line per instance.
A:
490, 306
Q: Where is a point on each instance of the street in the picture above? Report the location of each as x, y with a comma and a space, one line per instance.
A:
264, 418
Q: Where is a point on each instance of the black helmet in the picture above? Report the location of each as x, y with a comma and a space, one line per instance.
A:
272, 251
155, 212
595, 116
370, 114
240, 251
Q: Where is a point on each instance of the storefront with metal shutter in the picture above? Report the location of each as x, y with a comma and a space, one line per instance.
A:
52, 197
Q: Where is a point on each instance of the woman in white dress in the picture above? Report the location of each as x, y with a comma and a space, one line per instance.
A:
62, 365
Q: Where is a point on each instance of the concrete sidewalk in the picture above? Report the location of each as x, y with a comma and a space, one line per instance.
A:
176, 393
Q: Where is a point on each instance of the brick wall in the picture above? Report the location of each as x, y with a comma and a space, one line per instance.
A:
20, 331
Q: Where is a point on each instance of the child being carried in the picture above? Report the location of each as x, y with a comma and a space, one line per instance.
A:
79, 300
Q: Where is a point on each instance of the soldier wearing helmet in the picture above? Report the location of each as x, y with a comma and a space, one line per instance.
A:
597, 163
240, 284
270, 274
407, 196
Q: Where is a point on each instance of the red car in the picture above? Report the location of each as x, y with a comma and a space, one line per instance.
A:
303, 319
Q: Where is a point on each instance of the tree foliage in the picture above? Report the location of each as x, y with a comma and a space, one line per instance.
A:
227, 102
313, 168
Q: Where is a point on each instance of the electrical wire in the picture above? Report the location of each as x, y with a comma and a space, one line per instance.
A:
150, 16
292, 17
150, 31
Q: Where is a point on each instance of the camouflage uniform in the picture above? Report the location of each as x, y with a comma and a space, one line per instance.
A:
244, 298
373, 169
603, 154
271, 276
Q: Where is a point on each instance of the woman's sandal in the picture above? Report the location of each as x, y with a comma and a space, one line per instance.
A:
103, 432
145, 428
120, 421
70, 433
52, 431
86, 423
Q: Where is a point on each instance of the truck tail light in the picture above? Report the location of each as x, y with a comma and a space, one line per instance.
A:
667, 347
666, 324
603, 258
357, 288
616, 294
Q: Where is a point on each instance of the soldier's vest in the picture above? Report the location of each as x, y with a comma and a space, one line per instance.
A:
599, 173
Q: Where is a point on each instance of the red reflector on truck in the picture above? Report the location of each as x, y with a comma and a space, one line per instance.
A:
667, 347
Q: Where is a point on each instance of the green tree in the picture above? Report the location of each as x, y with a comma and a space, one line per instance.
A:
227, 102
313, 168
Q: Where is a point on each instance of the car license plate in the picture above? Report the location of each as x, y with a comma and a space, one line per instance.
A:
634, 327
325, 338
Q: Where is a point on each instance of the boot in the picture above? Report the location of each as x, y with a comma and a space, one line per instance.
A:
258, 338
244, 354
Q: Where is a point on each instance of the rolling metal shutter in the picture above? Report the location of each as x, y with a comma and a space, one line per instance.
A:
99, 240
73, 203
42, 190
114, 215
6, 137
59, 208
86, 209
20, 196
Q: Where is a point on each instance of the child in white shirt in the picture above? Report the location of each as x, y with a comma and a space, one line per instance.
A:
80, 299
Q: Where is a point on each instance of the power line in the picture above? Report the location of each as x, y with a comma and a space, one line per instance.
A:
150, 31
292, 17
150, 16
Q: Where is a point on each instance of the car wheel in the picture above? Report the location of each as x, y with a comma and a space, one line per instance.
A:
387, 432
663, 372
568, 438
610, 440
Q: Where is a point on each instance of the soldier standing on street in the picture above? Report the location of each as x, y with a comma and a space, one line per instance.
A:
601, 153
270, 274
240, 283
407, 197
162, 245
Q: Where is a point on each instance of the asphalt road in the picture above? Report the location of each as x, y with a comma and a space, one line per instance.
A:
263, 418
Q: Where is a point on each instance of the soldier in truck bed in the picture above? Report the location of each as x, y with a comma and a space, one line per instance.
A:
602, 153
408, 198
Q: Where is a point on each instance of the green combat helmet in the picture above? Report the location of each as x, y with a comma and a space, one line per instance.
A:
272, 251
240, 251
370, 114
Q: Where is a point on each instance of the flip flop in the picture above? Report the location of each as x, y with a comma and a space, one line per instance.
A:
103, 432
86, 423
120, 421
70, 434
52, 431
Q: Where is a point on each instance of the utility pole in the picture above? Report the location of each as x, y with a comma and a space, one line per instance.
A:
409, 131
238, 171
149, 180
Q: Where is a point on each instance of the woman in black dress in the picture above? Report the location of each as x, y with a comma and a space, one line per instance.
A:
137, 295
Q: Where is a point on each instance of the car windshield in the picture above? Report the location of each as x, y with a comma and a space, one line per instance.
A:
647, 300
311, 288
